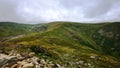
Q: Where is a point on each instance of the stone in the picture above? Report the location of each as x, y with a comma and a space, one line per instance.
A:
79, 66
28, 65
57, 65
21, 64
32, 54
101, 32
14, 66
34, 60
18, 61
42, 61
4, 59
18, 64
13, 53
89, 65
80, 62
19, 57
86, 64
93, 57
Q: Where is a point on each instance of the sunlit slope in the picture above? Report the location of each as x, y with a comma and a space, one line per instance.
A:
66, 42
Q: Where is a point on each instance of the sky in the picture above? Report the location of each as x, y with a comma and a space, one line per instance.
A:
42, 11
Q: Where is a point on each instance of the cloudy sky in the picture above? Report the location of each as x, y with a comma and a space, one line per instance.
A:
36, 11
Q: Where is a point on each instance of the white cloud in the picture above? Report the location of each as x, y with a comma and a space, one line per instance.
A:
31, 11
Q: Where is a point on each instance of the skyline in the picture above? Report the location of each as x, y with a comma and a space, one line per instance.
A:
40, 11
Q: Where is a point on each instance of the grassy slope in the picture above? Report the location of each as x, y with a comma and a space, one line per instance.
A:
67, 42
12, 29
108, 38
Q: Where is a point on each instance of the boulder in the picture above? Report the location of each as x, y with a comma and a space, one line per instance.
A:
4, 59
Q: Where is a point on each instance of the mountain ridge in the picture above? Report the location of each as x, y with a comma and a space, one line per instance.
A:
55, 40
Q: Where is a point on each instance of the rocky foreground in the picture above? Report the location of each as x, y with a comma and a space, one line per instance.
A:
14, 60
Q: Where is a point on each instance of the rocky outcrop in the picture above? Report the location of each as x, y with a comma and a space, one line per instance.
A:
18, 61
9, 60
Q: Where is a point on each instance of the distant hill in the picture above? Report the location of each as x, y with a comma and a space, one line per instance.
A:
12, 29
70, 42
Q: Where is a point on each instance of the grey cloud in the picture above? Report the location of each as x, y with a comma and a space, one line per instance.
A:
31, 11
8, 11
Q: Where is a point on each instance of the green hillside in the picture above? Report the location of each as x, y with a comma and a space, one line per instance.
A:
69, 43
108, 38
12, 29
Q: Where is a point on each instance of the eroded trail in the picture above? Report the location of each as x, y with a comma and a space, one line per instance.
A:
11, 38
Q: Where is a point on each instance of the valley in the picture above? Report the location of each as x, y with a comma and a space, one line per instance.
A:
69, 44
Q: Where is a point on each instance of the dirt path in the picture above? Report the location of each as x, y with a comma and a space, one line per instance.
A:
11, 38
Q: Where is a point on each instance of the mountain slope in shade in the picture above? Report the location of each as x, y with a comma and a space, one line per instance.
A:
108, 38
70, 43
